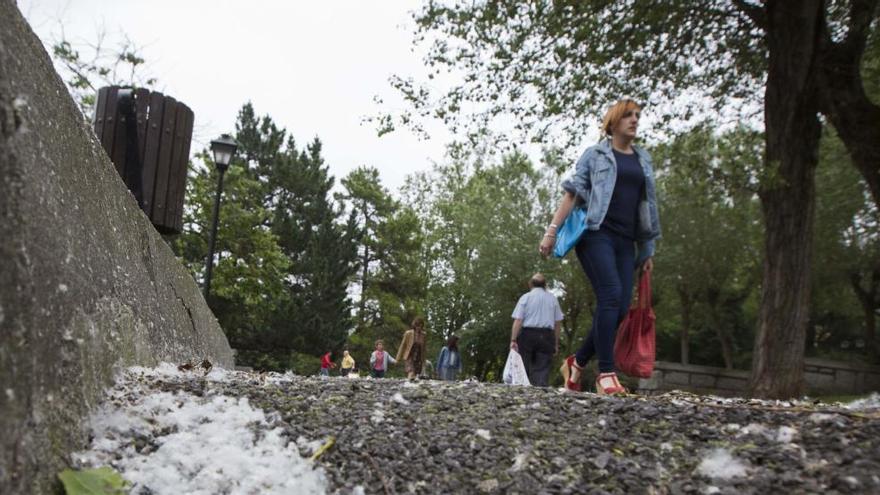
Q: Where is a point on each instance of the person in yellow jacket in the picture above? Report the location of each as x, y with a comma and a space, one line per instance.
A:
347, 363
414, 348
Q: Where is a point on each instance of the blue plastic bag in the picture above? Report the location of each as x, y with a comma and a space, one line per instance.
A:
568, 235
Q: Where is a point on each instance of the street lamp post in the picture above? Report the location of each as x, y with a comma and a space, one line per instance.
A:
223, 149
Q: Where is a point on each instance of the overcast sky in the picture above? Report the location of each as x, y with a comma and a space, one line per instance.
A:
314, 66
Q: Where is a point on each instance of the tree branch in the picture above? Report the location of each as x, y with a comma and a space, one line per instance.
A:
861, 14
757, 14
856, 281
842, 96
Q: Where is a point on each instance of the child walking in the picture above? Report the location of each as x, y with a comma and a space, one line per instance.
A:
379, 360
326, 364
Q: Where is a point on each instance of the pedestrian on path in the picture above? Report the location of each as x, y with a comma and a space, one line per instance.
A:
614, 182
414, 348
327, 364
379, 360
347, 363
537, 319
449, 360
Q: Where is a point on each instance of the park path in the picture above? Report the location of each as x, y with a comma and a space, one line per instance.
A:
187, 431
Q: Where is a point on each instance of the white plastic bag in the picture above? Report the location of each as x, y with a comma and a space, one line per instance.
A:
515, 370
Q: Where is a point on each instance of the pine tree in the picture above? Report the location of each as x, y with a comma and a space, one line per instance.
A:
285, 251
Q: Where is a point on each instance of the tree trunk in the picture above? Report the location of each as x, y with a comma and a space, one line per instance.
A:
481, 370
787, 197
842, 96
365, 267
870, 300
810, 339
362, 304
713, 297
686, 305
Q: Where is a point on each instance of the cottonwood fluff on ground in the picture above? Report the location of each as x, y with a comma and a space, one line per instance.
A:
164, 443
870, 402
719, 463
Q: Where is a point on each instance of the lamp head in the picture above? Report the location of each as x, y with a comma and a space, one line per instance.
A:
223, 149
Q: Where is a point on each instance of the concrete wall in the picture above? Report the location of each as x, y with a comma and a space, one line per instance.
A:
822, 377
701, 379
86, 283
836, 377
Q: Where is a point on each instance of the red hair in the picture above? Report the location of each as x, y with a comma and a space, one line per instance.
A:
616, 112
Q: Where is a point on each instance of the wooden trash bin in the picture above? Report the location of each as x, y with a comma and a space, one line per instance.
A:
147, 136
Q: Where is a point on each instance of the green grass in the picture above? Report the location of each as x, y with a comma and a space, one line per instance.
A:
843, 399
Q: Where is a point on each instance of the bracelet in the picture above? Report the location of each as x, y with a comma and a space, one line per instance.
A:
552, 236
553, 226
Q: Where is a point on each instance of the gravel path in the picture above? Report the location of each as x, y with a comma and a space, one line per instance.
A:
394, 436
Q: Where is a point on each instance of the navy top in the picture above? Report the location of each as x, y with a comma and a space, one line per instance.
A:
622, 216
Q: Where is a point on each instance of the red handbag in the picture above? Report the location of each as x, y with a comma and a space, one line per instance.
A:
635, 346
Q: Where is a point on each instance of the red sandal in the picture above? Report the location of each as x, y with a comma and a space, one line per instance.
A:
607, 384
568, 369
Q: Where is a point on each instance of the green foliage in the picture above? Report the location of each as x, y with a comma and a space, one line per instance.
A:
247, 287
285, 252
97, 481
847, 249
554, 64
709, 262
391, 279
303, 364
478, 219
86, 68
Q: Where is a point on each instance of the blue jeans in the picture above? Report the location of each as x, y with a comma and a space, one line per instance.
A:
607, 258
448, 374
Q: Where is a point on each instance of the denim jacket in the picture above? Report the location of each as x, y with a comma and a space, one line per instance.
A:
593, 184
446, 358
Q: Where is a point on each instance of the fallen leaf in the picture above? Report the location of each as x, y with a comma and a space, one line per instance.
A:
97, 481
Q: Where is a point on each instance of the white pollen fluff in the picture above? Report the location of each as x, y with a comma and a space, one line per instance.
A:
870, 402
166, 443
785, 434
720, 464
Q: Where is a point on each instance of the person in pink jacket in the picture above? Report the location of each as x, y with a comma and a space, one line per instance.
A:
379, 360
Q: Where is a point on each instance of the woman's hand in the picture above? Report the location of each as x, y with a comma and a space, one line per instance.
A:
547, 244
549, 239
648, 265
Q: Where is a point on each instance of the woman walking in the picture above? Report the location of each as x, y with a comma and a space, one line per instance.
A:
614, 182
449, 360
414, 348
